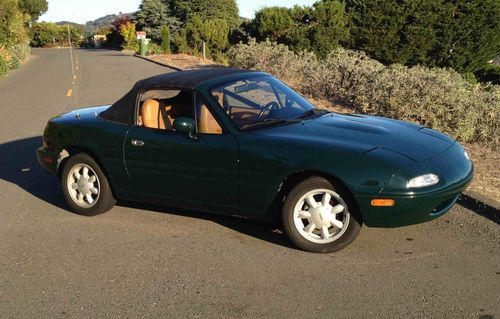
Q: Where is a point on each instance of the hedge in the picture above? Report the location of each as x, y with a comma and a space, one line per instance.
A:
435, 97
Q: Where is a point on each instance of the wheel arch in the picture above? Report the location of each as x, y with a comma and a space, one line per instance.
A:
72, 150
293, 179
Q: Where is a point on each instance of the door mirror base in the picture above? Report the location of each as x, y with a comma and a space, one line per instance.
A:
187, 126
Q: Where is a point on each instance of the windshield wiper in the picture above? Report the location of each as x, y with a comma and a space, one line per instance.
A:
268, 122
313, 112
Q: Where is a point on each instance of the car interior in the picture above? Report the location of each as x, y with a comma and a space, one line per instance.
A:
159, 109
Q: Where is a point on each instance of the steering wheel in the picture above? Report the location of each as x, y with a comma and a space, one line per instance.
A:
271, 106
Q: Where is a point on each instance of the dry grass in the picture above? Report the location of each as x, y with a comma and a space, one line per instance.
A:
487, 170
183, 61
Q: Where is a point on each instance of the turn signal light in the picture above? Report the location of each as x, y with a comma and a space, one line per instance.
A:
48, 160
383, 202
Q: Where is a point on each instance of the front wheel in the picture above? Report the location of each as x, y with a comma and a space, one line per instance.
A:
320, 217
85, 187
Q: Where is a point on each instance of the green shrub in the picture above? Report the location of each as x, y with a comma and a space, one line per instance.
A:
165, 40
461, 34
180, 42
4, 66
318, 28
434, 97
154, 48
490, 73
19, 53
128, 33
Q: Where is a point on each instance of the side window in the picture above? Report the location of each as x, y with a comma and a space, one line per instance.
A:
159, 108
205, 120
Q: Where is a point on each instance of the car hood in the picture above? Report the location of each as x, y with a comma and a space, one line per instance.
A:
362, 133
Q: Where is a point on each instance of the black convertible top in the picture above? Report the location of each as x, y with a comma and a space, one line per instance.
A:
122, 111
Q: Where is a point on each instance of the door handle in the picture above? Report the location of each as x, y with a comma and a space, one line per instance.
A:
137, 143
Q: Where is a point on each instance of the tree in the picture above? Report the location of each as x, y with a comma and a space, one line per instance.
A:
272, 22
213, 32
46, 34
180, 42
103, 31
185, 10
152, 16
128, 33
330, 26
461, 34
33, 8
12, 24
319, 28
165, 40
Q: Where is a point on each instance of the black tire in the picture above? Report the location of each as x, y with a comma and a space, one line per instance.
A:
346, 234
102, 202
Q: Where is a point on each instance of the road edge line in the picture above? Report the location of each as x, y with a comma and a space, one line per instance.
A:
156, 62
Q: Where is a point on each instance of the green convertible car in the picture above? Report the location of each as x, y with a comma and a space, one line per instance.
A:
242, 143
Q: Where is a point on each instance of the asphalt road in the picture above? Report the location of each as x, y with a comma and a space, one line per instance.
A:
157, 262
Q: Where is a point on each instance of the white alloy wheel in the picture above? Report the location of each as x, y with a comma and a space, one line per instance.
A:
321, 216
83, 185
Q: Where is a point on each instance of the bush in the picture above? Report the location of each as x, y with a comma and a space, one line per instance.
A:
19, 53
154, 48
180, 42
491, 73
165, 40
318, 28
438, 98
4, 66
461, 34
48, 34
128, 33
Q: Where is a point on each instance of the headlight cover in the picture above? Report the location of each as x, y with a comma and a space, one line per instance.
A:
423, 181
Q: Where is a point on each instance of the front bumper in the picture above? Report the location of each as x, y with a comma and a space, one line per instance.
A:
48, 159
412, 207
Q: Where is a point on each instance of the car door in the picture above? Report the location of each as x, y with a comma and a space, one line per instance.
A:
174, 168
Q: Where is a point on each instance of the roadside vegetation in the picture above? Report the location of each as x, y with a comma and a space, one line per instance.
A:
440, 98
418, 60
48, 34
15, 18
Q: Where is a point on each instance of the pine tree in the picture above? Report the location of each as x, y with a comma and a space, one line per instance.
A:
152, 16
165, 40
461, 34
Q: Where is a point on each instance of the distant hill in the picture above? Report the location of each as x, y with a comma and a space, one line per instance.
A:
92, 26
105, 21
70, 23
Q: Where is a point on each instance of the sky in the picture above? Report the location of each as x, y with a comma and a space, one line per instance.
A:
82, 11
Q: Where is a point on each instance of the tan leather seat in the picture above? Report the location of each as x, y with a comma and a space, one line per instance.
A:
153, 116
207, 123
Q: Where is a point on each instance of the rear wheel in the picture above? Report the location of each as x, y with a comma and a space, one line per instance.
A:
320, 217
85, 187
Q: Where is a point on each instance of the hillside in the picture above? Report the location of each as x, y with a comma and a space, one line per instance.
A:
105, 21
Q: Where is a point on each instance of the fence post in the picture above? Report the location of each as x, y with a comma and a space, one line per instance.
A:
204, 51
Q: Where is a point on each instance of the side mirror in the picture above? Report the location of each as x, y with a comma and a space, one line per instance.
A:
185, 125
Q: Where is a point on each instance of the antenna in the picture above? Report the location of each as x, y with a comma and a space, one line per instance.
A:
72, 64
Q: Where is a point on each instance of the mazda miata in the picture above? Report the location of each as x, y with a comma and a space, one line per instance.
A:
242, 143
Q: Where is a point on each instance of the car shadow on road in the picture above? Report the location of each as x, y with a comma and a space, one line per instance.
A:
266, 231
19, 166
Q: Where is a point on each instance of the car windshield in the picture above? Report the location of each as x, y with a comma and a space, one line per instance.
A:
262, 100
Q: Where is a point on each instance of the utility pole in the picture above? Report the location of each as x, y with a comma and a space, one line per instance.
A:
72, 65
